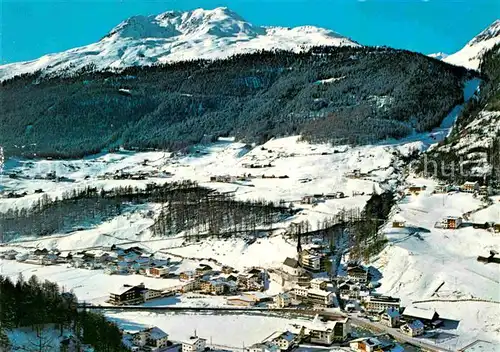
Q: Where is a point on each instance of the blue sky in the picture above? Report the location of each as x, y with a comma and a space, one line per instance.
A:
32, 28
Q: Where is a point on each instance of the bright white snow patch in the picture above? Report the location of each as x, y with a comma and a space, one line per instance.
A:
470, 56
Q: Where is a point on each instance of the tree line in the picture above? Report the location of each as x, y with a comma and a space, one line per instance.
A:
362, 225
377, 93
42, 306
215, 214
185, 206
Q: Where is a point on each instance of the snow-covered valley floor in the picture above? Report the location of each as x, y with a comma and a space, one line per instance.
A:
412, 267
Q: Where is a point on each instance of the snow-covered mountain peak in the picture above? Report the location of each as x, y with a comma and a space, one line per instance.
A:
492, 32
220, 22
470, 56
176, 36
438, 56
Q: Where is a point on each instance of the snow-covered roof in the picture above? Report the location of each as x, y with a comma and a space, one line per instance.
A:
157, 333
286, 335
319, 280
371, 341
417, 312
193, 340
387, 299
122, 289
284, 295
416, 324
319, 292
240, 298
392, 312
318, 325
258, 295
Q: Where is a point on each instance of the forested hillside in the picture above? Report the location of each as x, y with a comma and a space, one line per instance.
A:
335, 94
41, 306
473, 149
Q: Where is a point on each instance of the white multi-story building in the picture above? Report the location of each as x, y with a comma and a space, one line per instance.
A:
300, 291
375, 304
157, 272
283, 340
470, 187
154, 338
319, 283
191, 285
327, 332
282, 300
312, 261
320, 297
194, 344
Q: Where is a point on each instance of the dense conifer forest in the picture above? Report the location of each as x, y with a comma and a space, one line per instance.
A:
327, 94
40, 305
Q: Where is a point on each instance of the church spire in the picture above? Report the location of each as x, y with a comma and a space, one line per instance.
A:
299, 246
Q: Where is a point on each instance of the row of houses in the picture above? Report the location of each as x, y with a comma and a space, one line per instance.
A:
113, 261
256, 165
203, 279
154, 339
206, 280
140, 175
411, 320
467, 187
372, 344
317, 198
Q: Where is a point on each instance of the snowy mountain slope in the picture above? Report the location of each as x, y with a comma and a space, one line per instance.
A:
470, 56
438, 56
176, 36
475, 141
472, 149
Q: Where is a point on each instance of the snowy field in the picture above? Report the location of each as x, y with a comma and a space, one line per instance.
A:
238, 330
